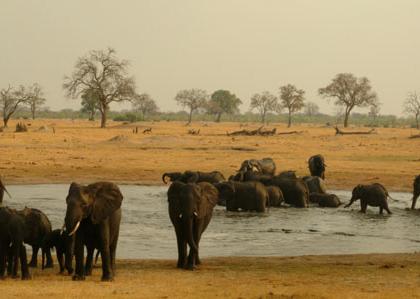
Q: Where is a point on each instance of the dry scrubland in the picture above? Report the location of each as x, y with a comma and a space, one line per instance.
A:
81, 151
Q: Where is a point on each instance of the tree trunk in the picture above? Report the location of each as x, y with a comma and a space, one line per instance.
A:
263, 118
289, 124
346, 117
92, 115
104, 110
417, 121
33, 111
190, 116
219, 115
5, 121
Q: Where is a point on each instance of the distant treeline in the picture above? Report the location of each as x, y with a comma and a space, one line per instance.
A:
358, 119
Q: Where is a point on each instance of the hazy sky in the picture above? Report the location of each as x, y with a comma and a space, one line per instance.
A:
244, 46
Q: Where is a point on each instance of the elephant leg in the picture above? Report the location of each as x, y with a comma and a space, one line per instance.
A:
23, 263
197, 236
113, 251
15, 258
50, 263
60, 259
34, 259
89, 260
2, 261
182, 247
9, 259
381, 210
105, 253
363, 205
386, 208
79, 255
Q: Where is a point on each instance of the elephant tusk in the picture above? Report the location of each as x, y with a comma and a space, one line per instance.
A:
195, 213
75, 228
63, 228
180, 216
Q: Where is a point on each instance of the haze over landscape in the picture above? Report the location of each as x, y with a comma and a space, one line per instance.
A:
242, 46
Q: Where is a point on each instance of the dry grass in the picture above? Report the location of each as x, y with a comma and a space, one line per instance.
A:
79, 150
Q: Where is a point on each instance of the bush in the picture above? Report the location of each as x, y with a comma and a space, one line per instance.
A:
21, 127
131, 117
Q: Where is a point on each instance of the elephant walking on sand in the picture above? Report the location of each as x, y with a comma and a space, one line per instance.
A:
373, 195
416, 191
190, 208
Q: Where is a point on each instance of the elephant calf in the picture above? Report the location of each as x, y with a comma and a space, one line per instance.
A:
374, 195
316, 165
190, 208
416, 191
59, 240
325, 200
315, 184
247, 196
275, 196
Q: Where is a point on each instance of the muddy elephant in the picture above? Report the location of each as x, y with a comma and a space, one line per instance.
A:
275, 196
194, 177
37, 227
325, 200
12, 234
264, 166
250, 175
247, 196
416, 191
374, 195
190, 208
315, 184
2, 190
93, 214
295, 191
317, 166
58, 240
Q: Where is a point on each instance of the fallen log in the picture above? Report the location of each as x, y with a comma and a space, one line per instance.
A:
290, 132
340, 132
259, 132
414, 136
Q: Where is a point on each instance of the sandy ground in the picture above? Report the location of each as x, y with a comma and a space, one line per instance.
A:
80, 151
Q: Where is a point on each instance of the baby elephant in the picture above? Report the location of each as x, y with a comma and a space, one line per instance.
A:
275, 196
374, 195
59, 240
325, 200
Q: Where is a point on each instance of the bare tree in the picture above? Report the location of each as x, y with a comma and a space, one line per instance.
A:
291, 99
104, 73
412, 106
11, 99
36, 100
349, 92
264, 102
311, 109
144, 104
90, 103
223, 101
193, 99
374, 110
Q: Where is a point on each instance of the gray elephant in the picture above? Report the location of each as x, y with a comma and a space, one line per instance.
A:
190, 208
251, 175
275, 196
325, 200
315, 184
2, 190
295, 191
59, 240
416, 191
247, 196
264, 166
194, 177
373, 195
94, 215
317, 166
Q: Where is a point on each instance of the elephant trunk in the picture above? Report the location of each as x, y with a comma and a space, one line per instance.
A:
188, 227
164, 176
43, 259
413, 204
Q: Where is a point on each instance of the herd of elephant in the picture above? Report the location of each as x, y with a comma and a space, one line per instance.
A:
93, 214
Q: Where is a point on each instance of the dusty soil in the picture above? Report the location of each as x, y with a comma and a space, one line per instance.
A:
81, 151
351, 276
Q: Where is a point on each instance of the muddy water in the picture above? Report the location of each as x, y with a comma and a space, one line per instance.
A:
146, 231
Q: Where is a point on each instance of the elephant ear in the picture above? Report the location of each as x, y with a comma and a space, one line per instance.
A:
193, 176
208, 196
174, 191
73, 190
107, 198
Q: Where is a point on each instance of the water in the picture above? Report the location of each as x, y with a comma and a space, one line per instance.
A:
146, 231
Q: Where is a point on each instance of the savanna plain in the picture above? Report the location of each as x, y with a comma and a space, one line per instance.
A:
62, 151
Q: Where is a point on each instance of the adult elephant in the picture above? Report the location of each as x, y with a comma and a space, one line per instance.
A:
190, 208
93, 215
317, 166
295, 191
194, 177
264, 166
373, 195
315, 184
275, 196
12, 234
416, 191
2, 190
251, 175
247, 196
37, 227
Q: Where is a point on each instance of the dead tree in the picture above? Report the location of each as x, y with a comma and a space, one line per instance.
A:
194, 132
147, 130
340, 132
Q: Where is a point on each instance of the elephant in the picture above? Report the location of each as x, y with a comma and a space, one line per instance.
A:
317, 166
295, 191
37, 227
2, 190
416, 191
288, 174
247, 196
59, 240
264, 166
93, 215
325, 200
12, 234
190, 208
275, 196
250, 175
315, 184
373, 195
194, 177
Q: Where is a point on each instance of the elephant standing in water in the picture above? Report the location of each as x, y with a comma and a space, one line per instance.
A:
315, 184
263, 166
295, 191
373, 195
325, 200
2, 190
93, 214
416, 191
190, 208
317, 166
194, 177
